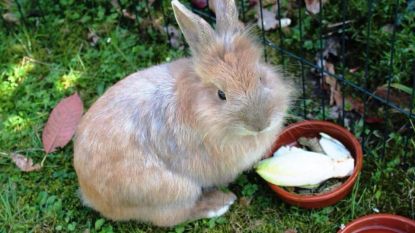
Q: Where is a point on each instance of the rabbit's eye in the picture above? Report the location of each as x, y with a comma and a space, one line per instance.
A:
221, 95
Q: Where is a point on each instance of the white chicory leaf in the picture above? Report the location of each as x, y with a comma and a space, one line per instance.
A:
302, 168
334, 148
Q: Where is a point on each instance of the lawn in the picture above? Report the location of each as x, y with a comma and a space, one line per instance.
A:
51, 53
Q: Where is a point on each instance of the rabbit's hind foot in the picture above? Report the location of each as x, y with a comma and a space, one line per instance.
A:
214, 204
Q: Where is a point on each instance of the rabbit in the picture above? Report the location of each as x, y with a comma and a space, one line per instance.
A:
155, 147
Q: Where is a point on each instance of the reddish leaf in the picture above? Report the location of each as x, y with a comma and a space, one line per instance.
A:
354, 70
394, 96
373, 120
356, 104
200, 3
25, 164
62, 123
253, 2
290, 231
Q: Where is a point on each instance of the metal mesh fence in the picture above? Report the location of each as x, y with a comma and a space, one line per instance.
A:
334, 55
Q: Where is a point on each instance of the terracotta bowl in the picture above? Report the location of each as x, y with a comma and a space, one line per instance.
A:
380, 223
312, 128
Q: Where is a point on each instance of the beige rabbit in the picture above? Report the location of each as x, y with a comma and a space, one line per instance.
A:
156, 144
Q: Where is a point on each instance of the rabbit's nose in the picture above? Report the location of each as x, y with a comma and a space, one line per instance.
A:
259, 125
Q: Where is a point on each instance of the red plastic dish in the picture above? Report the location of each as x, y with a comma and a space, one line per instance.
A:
312, 128
380, 223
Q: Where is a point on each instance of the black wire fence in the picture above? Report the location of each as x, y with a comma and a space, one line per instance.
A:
335, 59
354, 61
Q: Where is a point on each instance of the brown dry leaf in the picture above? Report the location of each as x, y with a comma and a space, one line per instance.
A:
313, 6
11, 18
62, 123
25, 164
245, 201
356, 104
335, 91
290, 231
124, 12
116, 4
397, 97
337, 96
128, 14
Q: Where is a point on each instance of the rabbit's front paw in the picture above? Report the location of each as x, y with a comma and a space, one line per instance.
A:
215, 203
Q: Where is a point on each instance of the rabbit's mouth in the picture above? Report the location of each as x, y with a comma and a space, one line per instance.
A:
246, 132
251, 131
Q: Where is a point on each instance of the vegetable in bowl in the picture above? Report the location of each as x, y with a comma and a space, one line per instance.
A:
317, 162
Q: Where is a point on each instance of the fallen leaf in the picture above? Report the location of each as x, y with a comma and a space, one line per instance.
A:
356, 104
313, 6
373, 120
388, 28
174, 36
397, 97
62, 123
128, 14
290, 231
25, 164
331, 48
245, 201
269, 21
354, 70
93, 38
116, 4
253, 2
11, 18
200, 3
335, 91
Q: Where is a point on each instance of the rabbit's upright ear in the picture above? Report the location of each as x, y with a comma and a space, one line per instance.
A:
196, 30
226, 16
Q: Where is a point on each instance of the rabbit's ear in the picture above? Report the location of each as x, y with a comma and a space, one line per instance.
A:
196, 30
226, 16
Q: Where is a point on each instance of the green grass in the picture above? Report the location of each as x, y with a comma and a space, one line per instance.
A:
50, 58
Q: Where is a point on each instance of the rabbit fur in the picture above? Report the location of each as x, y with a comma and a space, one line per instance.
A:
157, 143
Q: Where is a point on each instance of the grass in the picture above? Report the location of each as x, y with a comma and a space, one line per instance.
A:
50, 57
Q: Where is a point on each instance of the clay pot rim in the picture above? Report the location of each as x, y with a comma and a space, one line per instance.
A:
344, 187
367, 219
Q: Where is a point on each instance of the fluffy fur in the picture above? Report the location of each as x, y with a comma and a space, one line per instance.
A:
155, 145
